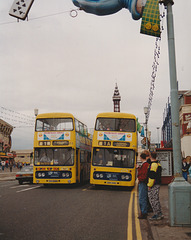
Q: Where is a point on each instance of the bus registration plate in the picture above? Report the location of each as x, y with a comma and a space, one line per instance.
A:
111, 182
53, 174
112, 176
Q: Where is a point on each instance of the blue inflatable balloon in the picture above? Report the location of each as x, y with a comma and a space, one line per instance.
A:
106, 7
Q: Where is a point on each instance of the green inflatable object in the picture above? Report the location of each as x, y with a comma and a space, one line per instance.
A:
150, 24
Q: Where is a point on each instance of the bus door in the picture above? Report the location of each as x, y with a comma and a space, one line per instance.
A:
78, 165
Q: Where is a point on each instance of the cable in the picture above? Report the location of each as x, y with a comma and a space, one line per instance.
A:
73, 13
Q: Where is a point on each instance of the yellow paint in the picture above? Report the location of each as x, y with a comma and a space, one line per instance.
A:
137, 222
129, 227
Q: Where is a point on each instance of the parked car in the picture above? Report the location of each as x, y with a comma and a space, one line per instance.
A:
25, 175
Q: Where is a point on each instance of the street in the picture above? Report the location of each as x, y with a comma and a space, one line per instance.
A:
32, 211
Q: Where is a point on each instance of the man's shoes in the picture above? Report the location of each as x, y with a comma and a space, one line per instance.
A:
142, 216
150, 210
156, 217
161, 215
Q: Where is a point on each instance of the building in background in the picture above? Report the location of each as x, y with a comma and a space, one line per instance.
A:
5, 142
24, 156
185, 123
116, 99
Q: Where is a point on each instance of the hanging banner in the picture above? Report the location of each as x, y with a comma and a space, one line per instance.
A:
150, 24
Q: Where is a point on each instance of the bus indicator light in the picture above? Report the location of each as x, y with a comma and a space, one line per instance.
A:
104, 143
121, 144
61, 143
44, 143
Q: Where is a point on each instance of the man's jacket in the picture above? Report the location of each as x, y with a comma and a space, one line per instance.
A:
154, 174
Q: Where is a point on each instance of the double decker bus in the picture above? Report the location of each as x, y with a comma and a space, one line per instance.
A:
114, 149
62, 150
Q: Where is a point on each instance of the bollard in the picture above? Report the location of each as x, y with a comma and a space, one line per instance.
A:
180, 203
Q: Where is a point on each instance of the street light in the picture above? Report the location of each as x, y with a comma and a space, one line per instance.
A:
146, 112
158, 136
36, 112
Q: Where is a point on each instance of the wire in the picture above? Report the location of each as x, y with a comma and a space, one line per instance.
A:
73, 13
13, 118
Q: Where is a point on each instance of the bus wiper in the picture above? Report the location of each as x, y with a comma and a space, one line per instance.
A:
66, 161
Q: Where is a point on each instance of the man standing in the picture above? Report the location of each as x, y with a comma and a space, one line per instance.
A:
185, 167
154, 181
3, 165
143, 193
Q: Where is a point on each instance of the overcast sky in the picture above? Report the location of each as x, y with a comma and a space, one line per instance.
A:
57, 63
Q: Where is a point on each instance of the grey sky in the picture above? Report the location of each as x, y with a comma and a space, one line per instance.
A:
65, 64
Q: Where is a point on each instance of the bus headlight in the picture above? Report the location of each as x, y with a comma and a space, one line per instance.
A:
122, 177
127, 177
43, 174
63, 174
101, 175
97, 175
39, 174
67, 174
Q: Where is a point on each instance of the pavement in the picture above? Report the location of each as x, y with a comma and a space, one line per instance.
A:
154, 230
6, 175
161, 229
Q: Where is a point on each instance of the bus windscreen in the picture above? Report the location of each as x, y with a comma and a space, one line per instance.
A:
109, 157
115, 124
54, 156
54, 124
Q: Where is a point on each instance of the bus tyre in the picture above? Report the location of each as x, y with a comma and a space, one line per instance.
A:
81, 177
20, 182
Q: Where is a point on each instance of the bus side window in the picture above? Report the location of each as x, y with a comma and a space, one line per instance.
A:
89, 156
77, 125
82, 156
85, 130
81, 128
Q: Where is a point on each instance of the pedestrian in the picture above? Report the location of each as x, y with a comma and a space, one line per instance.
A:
143, 192
20, 165
189, 169
185, 167
154, 181
7, 163
148, 158
10, 165
3, 165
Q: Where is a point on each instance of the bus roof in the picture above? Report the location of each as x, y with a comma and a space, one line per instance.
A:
115, 115
55, 115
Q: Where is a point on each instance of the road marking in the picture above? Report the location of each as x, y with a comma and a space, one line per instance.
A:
6, 184
129, 227
20, 186
27, 189
134, 195
137, 221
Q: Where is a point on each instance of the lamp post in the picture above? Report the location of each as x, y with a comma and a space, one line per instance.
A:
146, 112
179, 187
158, 136
36, 112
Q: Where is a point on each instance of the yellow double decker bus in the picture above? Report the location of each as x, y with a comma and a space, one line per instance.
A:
114, 149
62, 149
